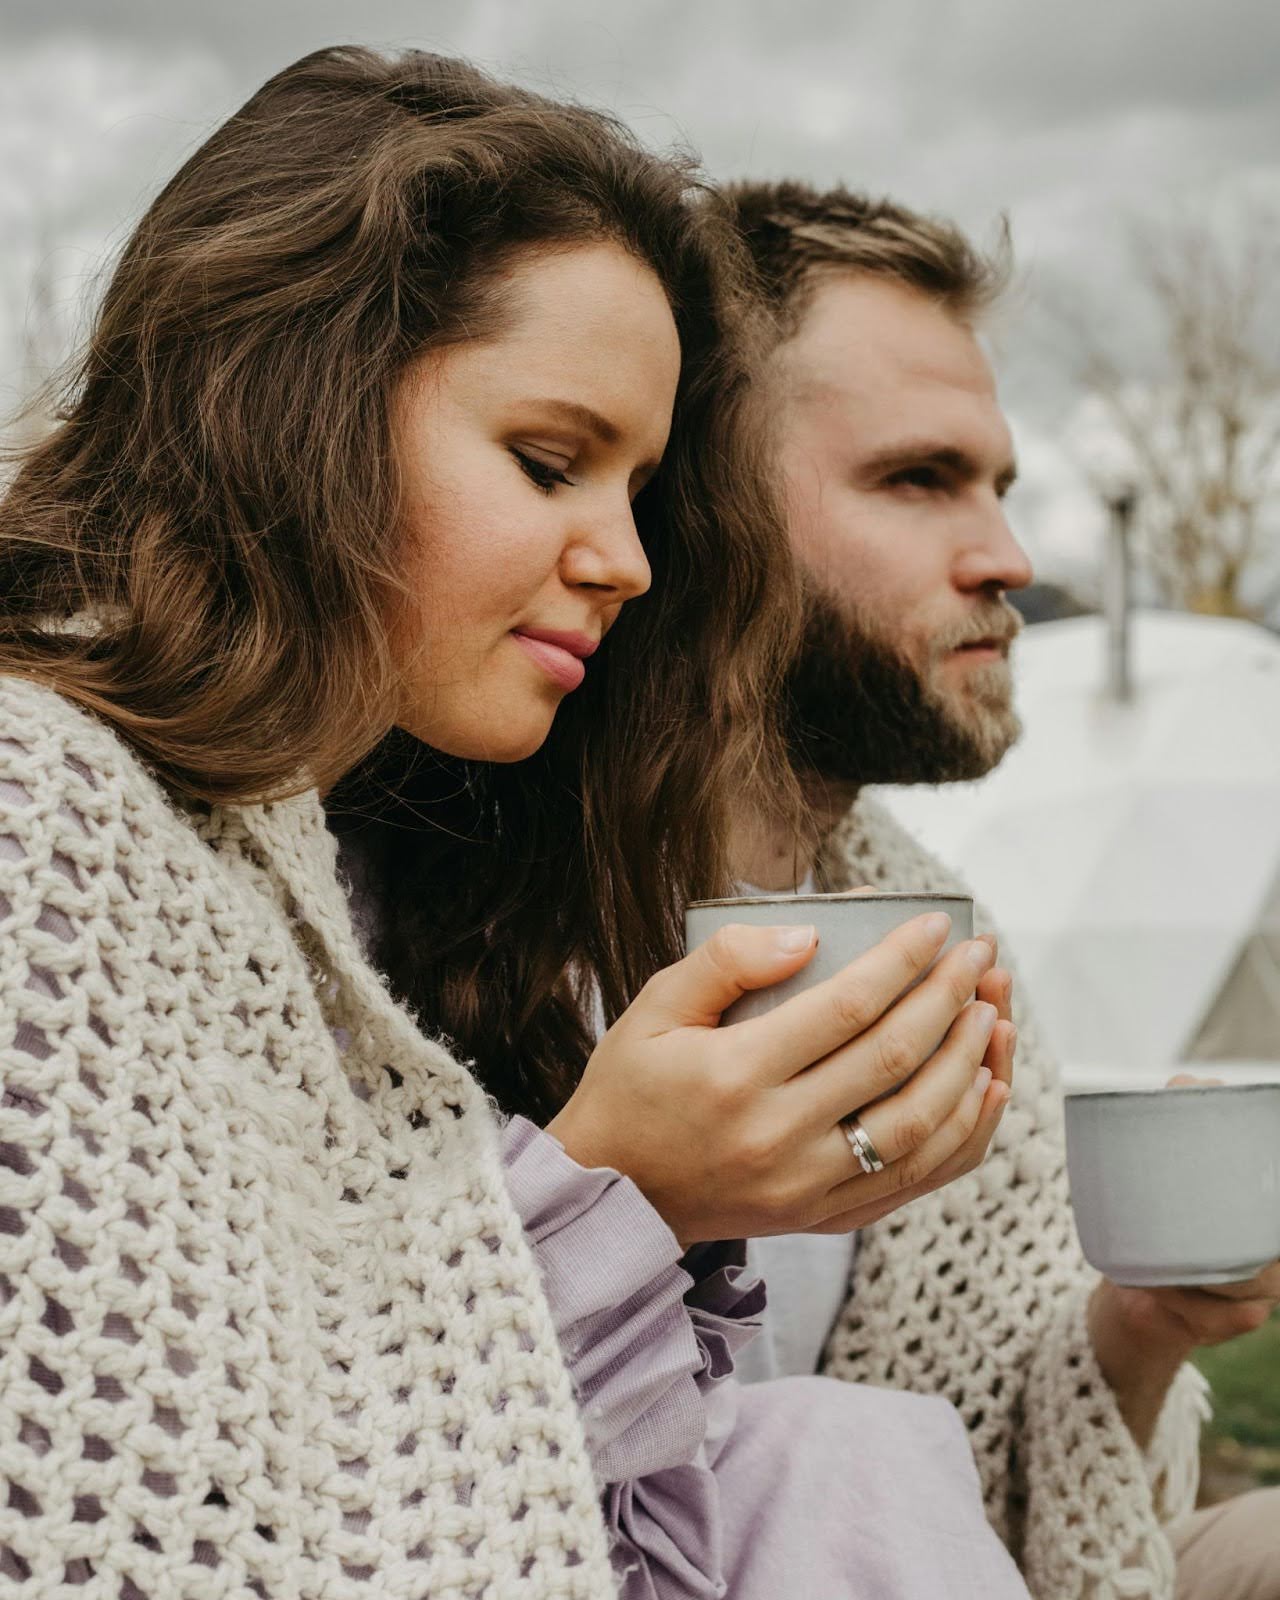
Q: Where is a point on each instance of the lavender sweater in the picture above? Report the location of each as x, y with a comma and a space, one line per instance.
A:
800, 1487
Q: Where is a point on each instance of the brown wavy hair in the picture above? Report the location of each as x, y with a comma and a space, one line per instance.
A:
219, 511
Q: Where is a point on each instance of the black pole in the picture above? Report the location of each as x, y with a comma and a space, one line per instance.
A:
1117, 594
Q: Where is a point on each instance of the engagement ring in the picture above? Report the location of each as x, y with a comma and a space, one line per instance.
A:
861, 1145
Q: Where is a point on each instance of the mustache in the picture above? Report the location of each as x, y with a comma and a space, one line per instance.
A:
997, 622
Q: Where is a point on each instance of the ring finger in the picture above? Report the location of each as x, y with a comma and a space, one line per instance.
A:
915, 1169
906, 1121
863, 1211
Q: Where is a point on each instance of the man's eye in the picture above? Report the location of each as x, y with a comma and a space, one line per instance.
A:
917, 478
545, 477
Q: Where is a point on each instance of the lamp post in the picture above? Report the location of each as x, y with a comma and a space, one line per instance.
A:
1121, 501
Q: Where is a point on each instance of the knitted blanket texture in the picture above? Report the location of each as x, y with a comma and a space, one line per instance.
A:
269, 1324
979, 1293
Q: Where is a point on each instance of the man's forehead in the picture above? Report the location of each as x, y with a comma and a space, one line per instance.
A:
875, 354
855, 323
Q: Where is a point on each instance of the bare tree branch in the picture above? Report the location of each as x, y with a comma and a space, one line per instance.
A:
1203, 432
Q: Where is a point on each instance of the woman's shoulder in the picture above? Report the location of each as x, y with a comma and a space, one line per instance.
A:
50, 745
36, 719
73, 790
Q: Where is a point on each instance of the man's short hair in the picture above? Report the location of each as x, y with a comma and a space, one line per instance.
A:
797, 235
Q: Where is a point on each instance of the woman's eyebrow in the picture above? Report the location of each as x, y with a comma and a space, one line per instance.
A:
583, 416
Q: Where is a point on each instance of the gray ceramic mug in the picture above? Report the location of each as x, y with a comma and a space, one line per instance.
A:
848, 926
1177, 1186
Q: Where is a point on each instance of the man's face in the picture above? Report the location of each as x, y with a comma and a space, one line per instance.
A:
897, 458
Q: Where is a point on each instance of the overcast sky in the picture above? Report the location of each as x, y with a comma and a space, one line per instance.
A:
1073, 119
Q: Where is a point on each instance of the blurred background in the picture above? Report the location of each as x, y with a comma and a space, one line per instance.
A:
1130, 845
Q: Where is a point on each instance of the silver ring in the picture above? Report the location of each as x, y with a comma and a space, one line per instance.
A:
862, 1147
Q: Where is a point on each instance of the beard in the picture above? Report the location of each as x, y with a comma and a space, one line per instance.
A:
858, 711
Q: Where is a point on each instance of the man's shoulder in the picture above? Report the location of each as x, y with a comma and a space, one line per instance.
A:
869, 845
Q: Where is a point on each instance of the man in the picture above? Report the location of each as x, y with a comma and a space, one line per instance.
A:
1083, 1414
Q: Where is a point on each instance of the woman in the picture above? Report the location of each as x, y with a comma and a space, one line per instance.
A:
406, 386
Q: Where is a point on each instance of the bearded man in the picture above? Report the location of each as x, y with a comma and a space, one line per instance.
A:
1081, 1405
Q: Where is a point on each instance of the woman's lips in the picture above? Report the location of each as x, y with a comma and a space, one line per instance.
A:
562, 666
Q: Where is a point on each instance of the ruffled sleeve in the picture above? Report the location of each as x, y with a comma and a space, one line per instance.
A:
648, 1345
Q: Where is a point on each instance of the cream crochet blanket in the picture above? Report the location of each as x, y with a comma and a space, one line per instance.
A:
979, 1293
269, 1324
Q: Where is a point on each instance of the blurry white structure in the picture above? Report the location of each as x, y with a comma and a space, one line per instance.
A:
1131, 851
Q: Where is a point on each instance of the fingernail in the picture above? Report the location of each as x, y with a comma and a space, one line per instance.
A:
1013, 1041
990, 1016
982, 1080
937, 924
791, 940
979, 955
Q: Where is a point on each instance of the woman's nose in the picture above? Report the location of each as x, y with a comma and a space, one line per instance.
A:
610, 557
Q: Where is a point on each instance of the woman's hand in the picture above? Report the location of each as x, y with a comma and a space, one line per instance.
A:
996, 988
735, 1131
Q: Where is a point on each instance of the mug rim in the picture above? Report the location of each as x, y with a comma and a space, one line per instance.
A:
1175, 1088
786, 897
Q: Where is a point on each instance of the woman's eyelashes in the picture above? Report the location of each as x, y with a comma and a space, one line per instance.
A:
540, 473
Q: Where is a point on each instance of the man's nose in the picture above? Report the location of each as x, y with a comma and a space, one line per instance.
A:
991, 556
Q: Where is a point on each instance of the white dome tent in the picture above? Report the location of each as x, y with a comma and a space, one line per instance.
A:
1243, 1021
1130, 849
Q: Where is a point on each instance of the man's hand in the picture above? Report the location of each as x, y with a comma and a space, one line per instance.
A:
1192, 1319
1142, 1336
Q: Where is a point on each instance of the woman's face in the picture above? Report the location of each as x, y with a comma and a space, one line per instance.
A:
521, 455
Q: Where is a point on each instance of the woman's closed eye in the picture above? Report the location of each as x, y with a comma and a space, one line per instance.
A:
546, 473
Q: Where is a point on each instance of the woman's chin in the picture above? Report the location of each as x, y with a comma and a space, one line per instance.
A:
514, 752
497, 743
